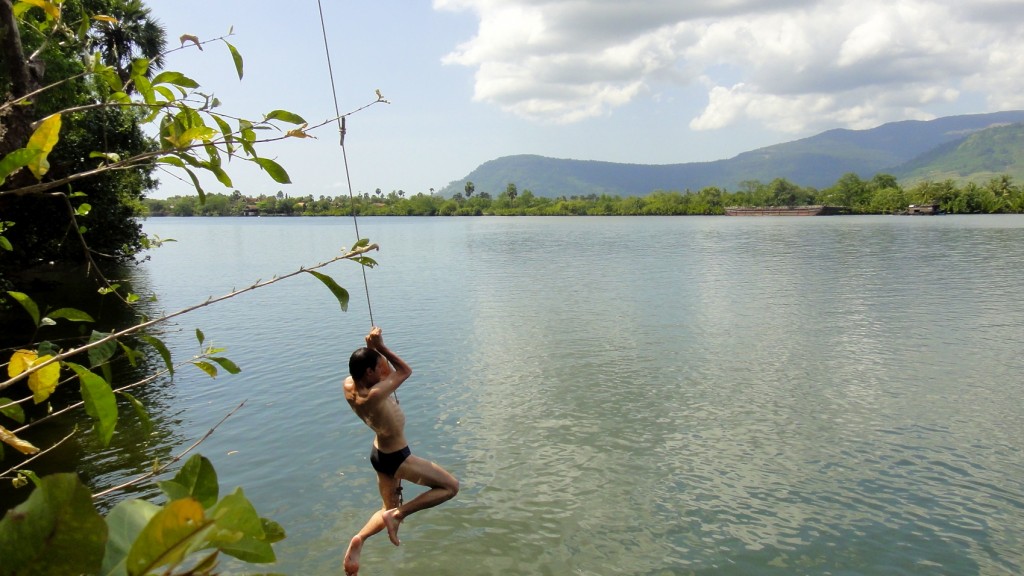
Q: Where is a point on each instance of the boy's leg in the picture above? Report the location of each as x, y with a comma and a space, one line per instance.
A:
443, 487
388, 487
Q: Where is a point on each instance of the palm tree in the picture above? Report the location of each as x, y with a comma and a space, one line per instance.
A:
136, 34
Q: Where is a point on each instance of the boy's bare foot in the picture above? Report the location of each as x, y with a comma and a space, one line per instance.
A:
351, 563
392, 523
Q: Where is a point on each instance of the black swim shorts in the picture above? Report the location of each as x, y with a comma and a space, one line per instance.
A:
388, 464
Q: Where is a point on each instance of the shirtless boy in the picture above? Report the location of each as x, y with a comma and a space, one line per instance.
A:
376, 372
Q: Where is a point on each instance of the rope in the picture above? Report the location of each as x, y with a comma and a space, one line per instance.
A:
344, 155
348, 180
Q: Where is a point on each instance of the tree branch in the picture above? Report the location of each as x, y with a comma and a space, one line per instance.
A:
38, 454
138, 327
160, 469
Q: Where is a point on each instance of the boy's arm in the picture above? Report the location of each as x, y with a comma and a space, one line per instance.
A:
401, 372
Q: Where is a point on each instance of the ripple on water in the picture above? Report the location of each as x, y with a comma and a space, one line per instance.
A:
638, 396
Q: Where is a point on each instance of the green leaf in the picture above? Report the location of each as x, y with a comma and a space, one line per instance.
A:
71, 314
238, 529
221, 175
236, 57
214, 154
56, 531
83, 210
100, 403
172, 489
108, 373
175, 78
225, 130
18, 159
102, 353
201, 133
36, 481
199, 480
210, 369
139, 67
47, 348
108, 156
250, 549
273, 531
226, 364
143, 87
199, 189
246, 132
83, 30
140, 411
274, 169
165, 92
162, 349
5, 244
285, 116
168, 537
129, 353
200, 336
208, 565
108, 75
27, 303
124, 524
340, 293
11, 410
122, 98
172, 160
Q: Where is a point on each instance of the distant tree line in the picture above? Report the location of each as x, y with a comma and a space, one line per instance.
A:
881, 194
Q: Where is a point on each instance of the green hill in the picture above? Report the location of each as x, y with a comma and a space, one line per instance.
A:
818, 161
977, 158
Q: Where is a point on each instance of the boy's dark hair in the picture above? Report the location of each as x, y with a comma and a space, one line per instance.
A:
362, 359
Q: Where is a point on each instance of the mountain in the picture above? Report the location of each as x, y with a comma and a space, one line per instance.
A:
908, 149
977, 158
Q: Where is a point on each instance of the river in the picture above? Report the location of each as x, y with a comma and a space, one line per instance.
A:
644, 396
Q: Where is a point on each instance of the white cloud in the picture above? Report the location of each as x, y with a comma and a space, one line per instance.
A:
790, 65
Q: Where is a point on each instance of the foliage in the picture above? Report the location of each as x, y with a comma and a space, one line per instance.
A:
880, 195
74, 147
58, 43
59, 531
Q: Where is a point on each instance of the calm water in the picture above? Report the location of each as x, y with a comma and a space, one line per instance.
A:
645, 396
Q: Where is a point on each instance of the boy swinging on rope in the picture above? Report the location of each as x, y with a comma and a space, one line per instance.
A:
376, 373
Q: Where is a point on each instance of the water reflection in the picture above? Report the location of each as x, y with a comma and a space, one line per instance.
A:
133, 448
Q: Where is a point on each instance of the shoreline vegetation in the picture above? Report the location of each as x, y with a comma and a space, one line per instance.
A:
881, 194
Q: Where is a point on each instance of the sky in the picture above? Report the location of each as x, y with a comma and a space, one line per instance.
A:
631, 81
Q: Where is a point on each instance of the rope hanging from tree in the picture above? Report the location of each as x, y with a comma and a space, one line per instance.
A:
344, 155
348, 181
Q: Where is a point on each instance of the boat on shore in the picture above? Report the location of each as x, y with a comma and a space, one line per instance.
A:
923, 210
814, 210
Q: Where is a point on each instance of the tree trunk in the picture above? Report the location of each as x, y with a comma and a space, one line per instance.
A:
14, 55
15, 122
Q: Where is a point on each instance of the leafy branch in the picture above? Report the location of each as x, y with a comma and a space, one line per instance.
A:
160, 469
356, 254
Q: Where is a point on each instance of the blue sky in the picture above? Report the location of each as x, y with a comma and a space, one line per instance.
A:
634, 81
